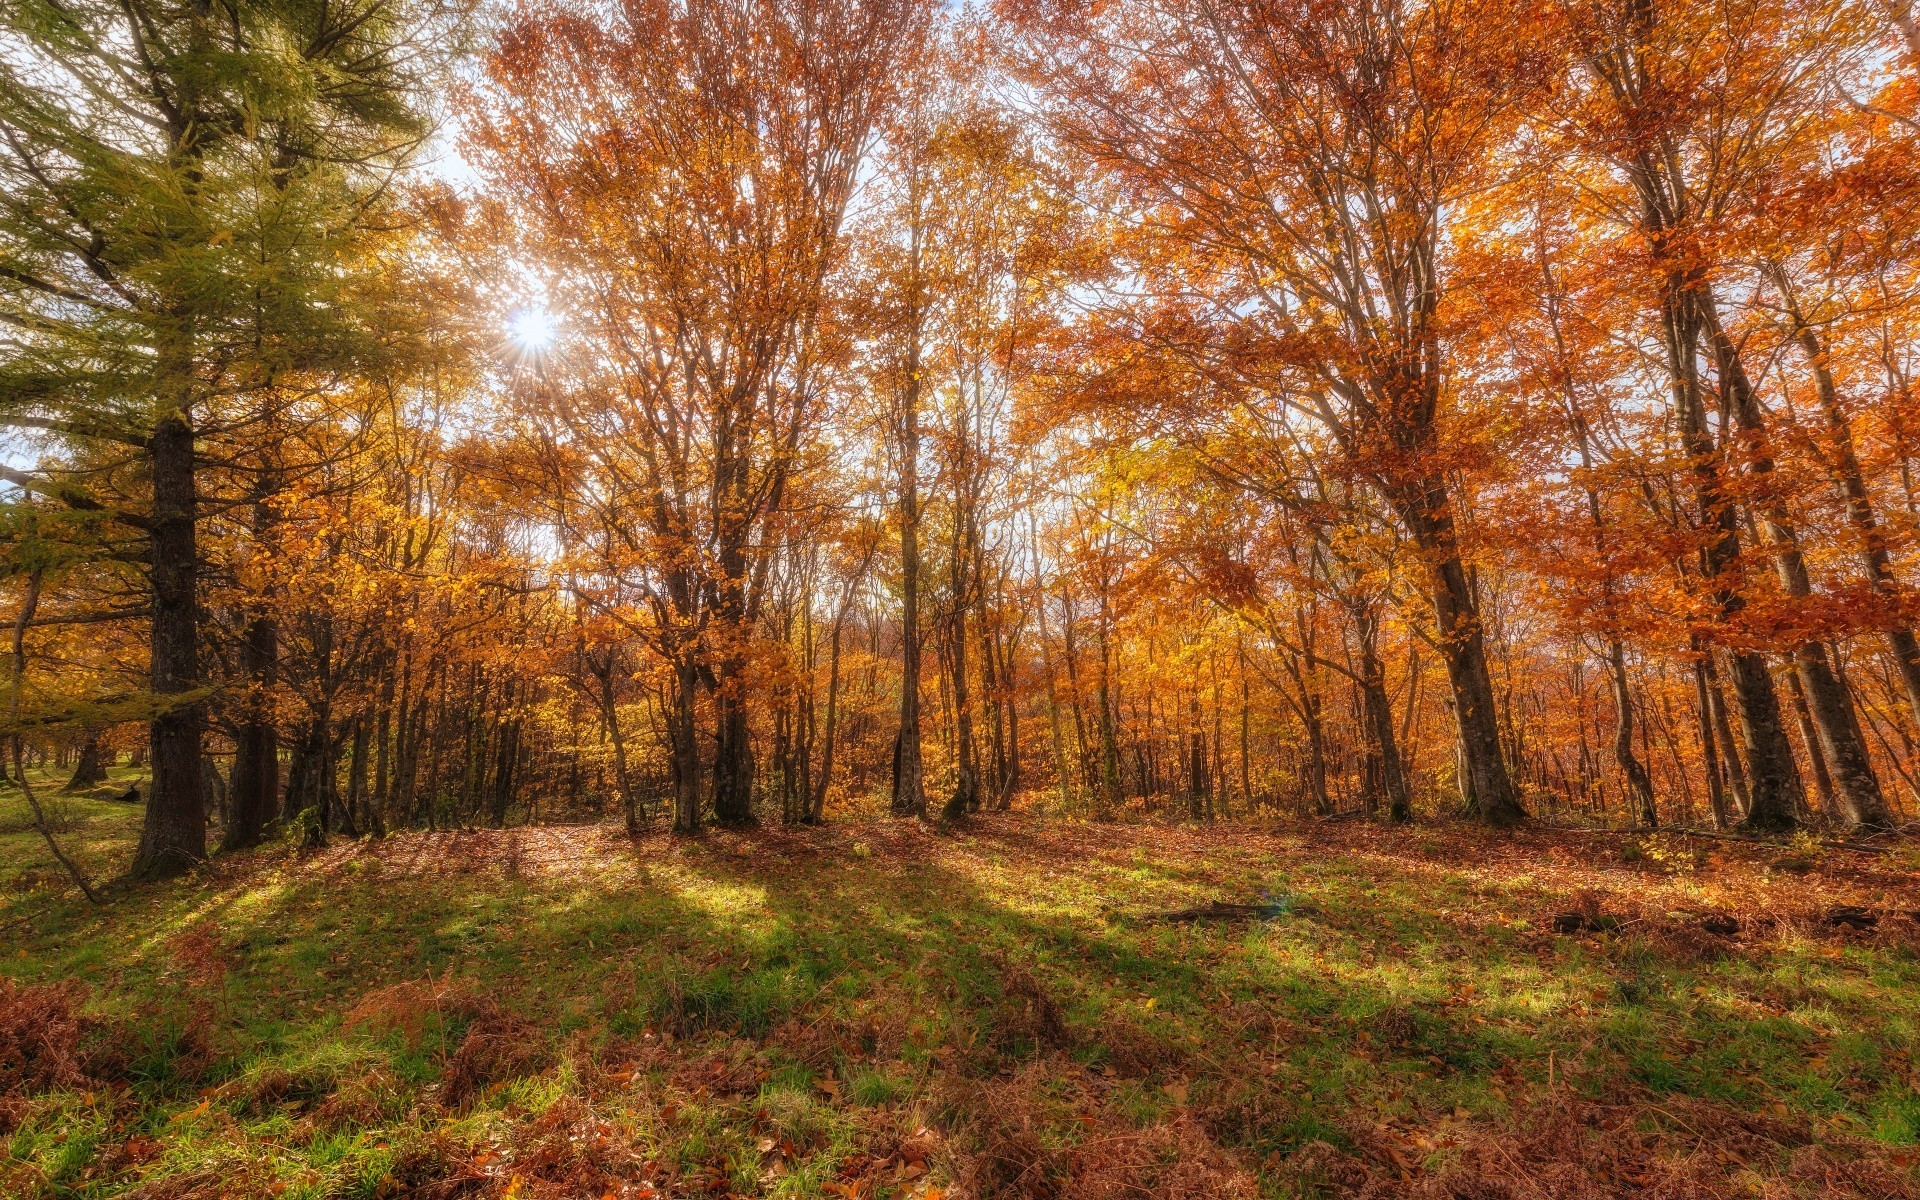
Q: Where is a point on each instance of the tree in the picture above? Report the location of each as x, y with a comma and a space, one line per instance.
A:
182, 184
693, 250
1292, 165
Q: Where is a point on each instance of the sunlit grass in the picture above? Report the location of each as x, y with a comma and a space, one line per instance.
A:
693, 1003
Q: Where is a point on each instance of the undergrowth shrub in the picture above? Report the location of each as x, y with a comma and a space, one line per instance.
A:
40, 1033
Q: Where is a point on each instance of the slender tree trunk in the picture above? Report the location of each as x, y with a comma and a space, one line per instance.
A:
966, 778
685, 748
1109, 736
1810, 738
909, 772
357, 774
610, 713
256, 763
1775, 791
1639, 782
1854, 783
1010, 777
817, 803
1199, 782
909, 781
1063, 777
1378, 714
1246, 732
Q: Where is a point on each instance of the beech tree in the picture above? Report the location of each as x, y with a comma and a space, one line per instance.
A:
681, 174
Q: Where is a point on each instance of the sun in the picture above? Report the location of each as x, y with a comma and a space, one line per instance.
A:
532, 330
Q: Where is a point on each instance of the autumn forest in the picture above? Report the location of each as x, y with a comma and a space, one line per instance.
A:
1041, 421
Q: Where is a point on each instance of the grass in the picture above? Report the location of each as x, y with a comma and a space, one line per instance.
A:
881, 1009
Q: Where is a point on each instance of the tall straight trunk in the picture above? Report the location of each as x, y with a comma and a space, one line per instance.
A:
733, 762
1486, 784
506, 759
610, 713
256, 749
966, 775
1855, 785
256, 761
1845, 464
382, 749
1010, 774
1729, 761
909, 770
357, 775
173, 837
1109, 740
1775, 789
1246, 731
1378, 714
684, 744
996, 780
1083, 760
1199, 782
1810, 739
1639, 781
798, 772
400, 795
817, 803
1063, 780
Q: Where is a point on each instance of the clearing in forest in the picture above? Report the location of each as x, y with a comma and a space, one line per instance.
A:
889, 1009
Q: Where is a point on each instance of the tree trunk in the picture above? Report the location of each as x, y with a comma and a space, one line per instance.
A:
1490, 794
1063, 778
909, 777
966, 777
610, 713
733, 765
173, 838
1874, 555
817, 803
357, 775
90, 766
1774, 781
1199, 783
256, 762
1810, 738
1378, 714
1854, 783
1639, 782
685, 744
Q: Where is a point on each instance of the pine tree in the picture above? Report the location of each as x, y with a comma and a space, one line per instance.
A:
185, 193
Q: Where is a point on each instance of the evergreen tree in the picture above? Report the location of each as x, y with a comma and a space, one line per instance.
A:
187, 193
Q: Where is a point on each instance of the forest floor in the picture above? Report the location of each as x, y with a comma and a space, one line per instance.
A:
882, 1009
